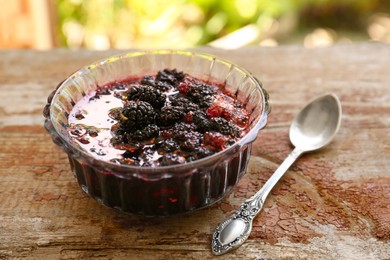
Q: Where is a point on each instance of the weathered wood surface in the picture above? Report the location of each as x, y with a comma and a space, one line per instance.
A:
332, 204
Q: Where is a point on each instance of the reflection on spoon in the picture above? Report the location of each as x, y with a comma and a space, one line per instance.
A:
313, 128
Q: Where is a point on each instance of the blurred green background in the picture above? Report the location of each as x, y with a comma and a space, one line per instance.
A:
103, 24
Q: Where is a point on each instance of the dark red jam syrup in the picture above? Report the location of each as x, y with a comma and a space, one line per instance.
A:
157, 120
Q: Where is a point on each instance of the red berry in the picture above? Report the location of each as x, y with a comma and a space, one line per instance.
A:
226, 114
214, 111
183, 87
215, 139
188, 117
242, 122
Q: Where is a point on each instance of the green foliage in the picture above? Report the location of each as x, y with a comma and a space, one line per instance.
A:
175, 23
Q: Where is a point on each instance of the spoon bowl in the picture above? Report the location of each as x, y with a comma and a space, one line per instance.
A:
317, 124
314, 127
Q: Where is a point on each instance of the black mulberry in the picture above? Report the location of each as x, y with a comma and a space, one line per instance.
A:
170, 115
173, 77
201, 93
148, 80
187, 135
171, 159
202, 152
179, 129
183, 127
185, 103
225, 127
191, 144
148, 94
201, 121
160, 85
146, 133
136, 115
167, 146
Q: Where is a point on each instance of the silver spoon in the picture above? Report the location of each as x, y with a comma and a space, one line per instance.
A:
314, 127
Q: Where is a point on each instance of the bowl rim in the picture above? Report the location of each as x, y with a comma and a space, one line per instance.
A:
248, 138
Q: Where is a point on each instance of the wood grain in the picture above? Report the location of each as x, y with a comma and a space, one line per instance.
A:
332, 204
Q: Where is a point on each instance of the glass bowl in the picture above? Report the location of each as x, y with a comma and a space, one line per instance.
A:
165, 190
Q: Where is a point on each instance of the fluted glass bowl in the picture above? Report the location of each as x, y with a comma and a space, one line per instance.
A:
164, 190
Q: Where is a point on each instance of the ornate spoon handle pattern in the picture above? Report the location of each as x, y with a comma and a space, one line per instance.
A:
233, 231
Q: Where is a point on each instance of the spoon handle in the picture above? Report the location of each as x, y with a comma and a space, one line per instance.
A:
233, 231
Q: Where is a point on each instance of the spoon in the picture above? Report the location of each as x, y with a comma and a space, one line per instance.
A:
313, 128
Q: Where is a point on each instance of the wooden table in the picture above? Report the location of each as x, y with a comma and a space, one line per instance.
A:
332, 204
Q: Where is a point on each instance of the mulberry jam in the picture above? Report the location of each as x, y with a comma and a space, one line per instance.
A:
157, 120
